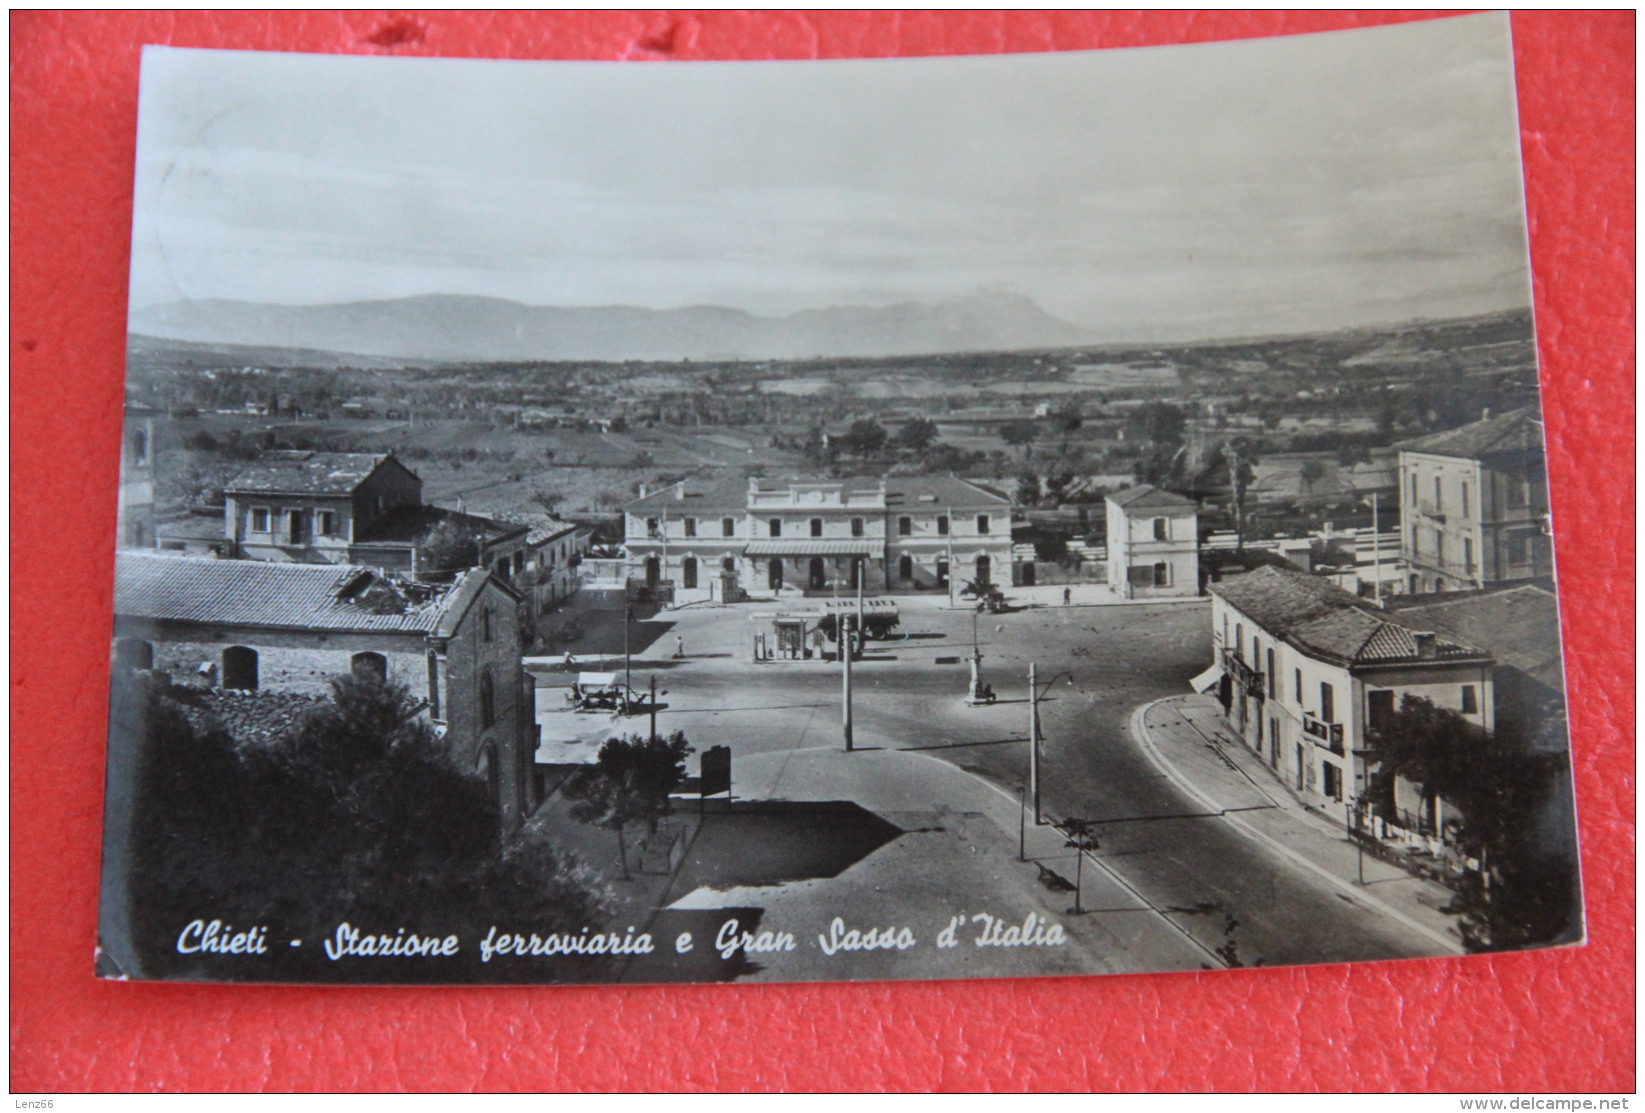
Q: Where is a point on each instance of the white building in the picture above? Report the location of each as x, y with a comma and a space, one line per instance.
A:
1306, 673
1153, 544
1474, 506
737, 539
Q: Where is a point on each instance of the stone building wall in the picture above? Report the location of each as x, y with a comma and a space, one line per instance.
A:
286, 662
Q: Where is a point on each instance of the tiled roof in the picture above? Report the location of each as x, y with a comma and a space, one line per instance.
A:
410, 524
1516, 431
815, 546
307, 473
1280, 600
547, 529
1316, 615
700, 497
194, 527
731, 495
258, 593
1519, 626
942, 490
1146, 497
1358, 637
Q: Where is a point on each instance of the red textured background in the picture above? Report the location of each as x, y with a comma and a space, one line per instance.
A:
1531, 1022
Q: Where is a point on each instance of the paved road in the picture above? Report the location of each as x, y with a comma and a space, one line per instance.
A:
1096, 664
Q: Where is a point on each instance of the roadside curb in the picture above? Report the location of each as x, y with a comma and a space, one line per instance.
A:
1143, 736
1057, 834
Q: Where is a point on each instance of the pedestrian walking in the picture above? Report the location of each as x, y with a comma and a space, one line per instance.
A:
1067, 596
679, 646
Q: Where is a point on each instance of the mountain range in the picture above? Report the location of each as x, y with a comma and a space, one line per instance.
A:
469, 328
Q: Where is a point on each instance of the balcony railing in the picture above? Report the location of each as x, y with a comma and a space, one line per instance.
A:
1450, 568
1328, 735
1248, 678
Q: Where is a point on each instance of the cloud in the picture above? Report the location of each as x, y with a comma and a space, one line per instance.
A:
1233, 185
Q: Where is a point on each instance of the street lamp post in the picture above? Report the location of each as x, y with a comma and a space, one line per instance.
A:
844, 628
974, 696
1034, 739
1022, 822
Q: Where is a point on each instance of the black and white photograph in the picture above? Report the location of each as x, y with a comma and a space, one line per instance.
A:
1003, 516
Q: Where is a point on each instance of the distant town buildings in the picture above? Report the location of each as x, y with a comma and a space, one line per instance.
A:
1307, 672
554, 552
1153, 544
366, 508
761, 537
1474, 505
241, 630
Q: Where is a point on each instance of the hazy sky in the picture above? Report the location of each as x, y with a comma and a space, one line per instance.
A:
1290, 183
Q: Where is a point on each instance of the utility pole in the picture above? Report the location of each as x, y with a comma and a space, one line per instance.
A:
652, 703
845, 658
860, 564
628, 620
1022, 822
1376, 549
1034, 739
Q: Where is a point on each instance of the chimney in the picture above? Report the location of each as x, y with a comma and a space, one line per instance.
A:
1485, 414
644, 490
1427, 644
679, 492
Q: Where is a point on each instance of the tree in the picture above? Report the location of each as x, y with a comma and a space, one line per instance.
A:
865, 437
1239, 455
1522, 895
1028, 488
1312, 472
917, 435
452, 546
358, 814
1020, 434
1350, 453
1082, 837
630, 782
549, 498
1067, 418
1162, 423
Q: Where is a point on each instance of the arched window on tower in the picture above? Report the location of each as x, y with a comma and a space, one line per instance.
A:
488, 700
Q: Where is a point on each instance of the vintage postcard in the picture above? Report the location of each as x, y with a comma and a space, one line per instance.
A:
967, 517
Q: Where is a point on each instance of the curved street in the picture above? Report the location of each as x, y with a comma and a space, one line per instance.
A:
1213, 881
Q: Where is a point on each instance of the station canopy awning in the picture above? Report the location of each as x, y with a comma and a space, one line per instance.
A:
814, 546
1207, 680
596, 679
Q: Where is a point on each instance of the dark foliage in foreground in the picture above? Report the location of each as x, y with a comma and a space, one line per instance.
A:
1523, 896
355, 817
630, 782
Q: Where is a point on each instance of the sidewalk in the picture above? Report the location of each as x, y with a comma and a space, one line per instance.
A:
1085, 595
1188, 739
957, 855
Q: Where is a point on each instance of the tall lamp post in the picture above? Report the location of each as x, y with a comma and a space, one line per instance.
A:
1034, 740
975, 695
628, 620
844, 628
1034, 733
